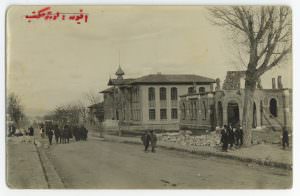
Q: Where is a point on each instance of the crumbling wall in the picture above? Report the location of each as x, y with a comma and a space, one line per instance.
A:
233, 80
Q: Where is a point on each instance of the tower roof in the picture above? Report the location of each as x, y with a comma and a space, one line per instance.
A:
120, 72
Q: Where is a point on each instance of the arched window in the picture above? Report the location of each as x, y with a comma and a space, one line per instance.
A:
163, 93
173, 93
201, 89
273, 107
151, 94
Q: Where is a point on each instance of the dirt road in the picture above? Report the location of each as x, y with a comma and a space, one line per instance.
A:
100, 164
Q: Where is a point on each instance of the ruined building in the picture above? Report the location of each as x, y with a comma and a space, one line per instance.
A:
271, 107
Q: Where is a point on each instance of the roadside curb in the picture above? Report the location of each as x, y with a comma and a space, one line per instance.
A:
52, 178
215, 154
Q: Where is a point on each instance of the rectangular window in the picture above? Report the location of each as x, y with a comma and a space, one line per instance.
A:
163, 114
163, 93
173, 93
151, 94
174, 113
152, 114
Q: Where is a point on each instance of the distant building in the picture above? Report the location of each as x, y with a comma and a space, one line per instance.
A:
271, 108
96, 112
151, 101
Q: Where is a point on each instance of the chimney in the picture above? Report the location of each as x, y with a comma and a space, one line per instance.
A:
273, 83
279, 82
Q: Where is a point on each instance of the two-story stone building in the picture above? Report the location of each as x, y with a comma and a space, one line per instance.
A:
151, 101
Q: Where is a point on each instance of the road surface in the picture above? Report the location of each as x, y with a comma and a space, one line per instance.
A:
101, 164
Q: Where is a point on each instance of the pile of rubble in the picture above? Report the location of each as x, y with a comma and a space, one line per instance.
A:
186, 139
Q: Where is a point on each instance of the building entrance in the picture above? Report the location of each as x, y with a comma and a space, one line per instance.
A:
233, 114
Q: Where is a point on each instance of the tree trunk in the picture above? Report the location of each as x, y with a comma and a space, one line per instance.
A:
248, 112
101, 130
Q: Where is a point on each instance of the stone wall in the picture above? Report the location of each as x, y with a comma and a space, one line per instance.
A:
233, 80
262, 100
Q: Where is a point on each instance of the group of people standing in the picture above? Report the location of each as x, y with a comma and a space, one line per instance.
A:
13, 131
231, 136
149, 137
63, 135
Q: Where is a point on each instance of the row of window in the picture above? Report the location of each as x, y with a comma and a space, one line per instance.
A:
162, 93
193, 90
174, 93
163, 114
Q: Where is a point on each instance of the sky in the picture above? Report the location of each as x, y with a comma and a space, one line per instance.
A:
50, 63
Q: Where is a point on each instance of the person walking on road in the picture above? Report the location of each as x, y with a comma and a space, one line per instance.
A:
285, 138
61, 135
31, 131
66, 134
56, 133
153, 140
50, 133
84, 132
76, 132
146, 140
42, 132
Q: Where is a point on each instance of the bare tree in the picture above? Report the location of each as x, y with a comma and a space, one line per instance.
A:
15, 109
96, 118
265, 33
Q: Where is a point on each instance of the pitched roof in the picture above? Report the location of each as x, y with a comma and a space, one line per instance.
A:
108, 90
120, 81
96, 105
120, 71
172, 79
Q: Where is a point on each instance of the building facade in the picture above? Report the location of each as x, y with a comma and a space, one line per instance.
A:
151, 101
271, 107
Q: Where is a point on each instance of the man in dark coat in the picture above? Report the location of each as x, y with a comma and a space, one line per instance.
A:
146, 140
76, 133
31, 131
61, 135
56, 133
224, 138
237, 134
66, 135
230, 136
84, 132
50, 135
153, 140
70, 134
285, 138
241, 136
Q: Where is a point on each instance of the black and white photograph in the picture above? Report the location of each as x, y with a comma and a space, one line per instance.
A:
149, 96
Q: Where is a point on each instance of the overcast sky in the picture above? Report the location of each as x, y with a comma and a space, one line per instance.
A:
50, 63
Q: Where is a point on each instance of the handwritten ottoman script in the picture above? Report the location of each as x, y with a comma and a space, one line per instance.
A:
47, 14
